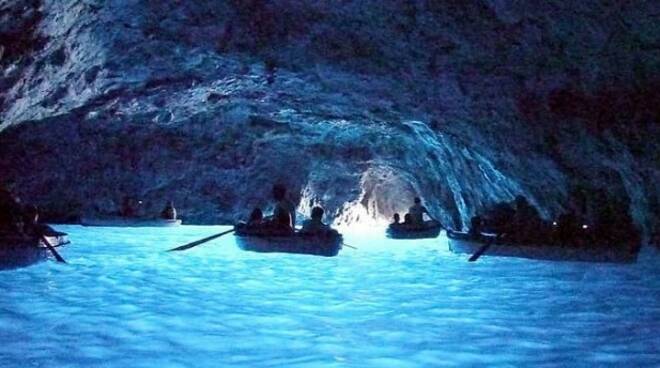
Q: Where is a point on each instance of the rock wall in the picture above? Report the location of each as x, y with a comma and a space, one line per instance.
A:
356, 105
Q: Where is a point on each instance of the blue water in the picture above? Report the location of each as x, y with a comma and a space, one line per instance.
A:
124, 302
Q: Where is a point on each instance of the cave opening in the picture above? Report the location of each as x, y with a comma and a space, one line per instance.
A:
384, 192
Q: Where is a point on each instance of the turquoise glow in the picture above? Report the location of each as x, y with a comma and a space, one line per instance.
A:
122, 301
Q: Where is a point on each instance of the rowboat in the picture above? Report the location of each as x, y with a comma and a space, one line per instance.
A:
430, 229
21, 251
129, 222
461, 242
325, 244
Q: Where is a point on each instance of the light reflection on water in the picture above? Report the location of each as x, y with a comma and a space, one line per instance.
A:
124, 302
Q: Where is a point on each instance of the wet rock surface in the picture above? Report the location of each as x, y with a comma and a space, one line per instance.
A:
355, 105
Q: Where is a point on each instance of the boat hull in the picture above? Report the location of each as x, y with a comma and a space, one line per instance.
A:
19, 251
318, 245
121, 222
431, 230
463, 243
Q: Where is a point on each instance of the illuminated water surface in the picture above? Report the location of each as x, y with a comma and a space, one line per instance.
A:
124, 302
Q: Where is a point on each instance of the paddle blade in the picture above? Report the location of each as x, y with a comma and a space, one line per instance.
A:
201, 241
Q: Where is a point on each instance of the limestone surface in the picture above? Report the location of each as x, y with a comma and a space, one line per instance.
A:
354, 105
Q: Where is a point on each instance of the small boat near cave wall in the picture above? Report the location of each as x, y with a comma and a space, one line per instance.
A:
461, 242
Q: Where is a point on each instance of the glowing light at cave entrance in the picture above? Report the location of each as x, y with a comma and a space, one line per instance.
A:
384, 191
356, 218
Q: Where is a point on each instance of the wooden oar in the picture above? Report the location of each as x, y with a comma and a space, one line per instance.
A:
350, 246
201, 241
52, 249
481, 250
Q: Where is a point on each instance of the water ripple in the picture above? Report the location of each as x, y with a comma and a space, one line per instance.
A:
123, 301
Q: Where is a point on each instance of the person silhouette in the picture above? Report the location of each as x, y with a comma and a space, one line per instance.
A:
417, 211
315, 223
256, 217
169, 212
284, 214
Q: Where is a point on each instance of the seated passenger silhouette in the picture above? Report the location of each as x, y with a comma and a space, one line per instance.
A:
284, 214
475, 226
417, 212
169, 212
407, 220
526, 221
396, 220
315, 224
32, 226
256, 217
499, 219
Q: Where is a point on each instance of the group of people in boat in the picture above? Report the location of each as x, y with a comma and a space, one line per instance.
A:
519, 222
414, 219
18, 219
283, 219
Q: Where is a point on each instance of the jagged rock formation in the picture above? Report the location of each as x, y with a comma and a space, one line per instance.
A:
357, 105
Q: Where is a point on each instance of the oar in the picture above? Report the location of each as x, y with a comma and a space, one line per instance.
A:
350, 246
481, 250
201, 241
52, 249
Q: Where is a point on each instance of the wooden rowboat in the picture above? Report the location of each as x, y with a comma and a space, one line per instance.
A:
431, 229
325, 244
129, 222
460, 242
